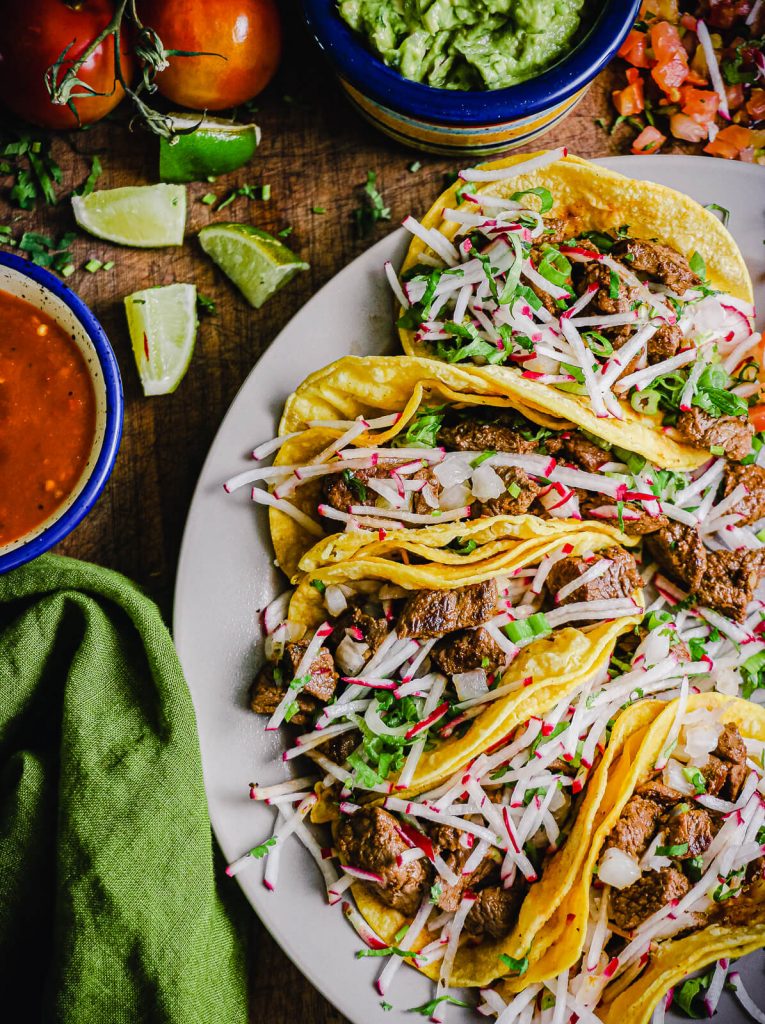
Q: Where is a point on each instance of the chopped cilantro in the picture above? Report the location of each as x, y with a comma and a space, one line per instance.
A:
688, 992
355, 485
724, 213
205, 305
90, 182
698, 266
285, 232
436, 892
321, 587
258, 852
372, 209
423, 430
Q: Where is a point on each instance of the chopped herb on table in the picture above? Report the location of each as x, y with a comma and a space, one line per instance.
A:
372, 209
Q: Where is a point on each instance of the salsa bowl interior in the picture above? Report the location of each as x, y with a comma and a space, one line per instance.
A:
35, 292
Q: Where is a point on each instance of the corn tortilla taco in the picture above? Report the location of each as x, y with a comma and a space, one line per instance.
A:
624, 307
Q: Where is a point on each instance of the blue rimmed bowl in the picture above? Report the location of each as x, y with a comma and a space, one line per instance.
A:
459, 122
47, 293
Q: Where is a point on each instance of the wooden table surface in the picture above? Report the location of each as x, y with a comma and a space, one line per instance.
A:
315, 152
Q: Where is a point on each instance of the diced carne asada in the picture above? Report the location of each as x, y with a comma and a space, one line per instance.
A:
654, 890
494, 912
637, 522
341, 490
420, 504
467, 650
583, 452
731, 433
267, 693
544, 297
431, 613
730, 580
692, 829
657, 262
636, 827
446, 842
469, 436
339, 748
596, 273
511, 503
557, 230
752, 505
680, 552
368, 629
619, 580
730, 745
715, 774
663, 795
370, 840
664, 344
726, 770
322, 673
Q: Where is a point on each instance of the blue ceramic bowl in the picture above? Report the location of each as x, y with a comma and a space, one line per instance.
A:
47, 293
458, 122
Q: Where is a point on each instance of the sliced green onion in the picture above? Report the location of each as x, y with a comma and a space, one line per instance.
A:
523, 630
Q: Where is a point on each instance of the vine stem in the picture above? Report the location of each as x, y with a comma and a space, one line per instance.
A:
57, 93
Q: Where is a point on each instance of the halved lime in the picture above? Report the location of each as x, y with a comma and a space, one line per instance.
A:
139, 215
163, 328
214, 147
255, 261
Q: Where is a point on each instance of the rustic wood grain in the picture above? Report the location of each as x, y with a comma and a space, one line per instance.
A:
315, 152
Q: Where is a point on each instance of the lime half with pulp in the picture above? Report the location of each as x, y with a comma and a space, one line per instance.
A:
255, 261
213, 147
140, 215
163, 329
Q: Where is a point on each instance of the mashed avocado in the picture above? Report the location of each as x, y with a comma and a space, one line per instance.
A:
467, 44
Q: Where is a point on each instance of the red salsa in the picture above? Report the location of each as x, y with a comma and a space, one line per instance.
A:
47, 416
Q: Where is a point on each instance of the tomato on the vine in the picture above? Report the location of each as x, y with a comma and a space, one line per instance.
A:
33, 34
247, 33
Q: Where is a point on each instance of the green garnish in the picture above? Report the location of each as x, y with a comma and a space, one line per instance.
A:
678, 850
372, 209
321, 587
480, 459
258, 852
518, 967
206, 305
724, 213
523, 630
427, 1008
696, 779
463, 547
90, 182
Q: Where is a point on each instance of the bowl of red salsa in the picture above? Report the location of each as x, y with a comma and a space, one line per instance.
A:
61, 410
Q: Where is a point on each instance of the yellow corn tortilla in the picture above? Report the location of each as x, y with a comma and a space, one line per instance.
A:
553, 664
675, 958
353, 387
543, 923
591, 197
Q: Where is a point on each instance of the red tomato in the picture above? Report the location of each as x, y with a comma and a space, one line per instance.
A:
730, 142
757, 416
649, 141
756, 104
33, 34
699, 104
683, 127
630, 100
633, 49
666, 42
247, 33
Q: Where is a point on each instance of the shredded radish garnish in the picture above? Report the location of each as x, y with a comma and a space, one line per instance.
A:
262, 497
714, 68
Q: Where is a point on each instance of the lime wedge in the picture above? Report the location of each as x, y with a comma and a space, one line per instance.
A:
255, 261
139, 215
214, 147
163, 328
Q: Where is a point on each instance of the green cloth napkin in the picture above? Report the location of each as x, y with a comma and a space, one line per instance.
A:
109, 904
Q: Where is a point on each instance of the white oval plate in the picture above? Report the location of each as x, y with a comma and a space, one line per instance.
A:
226, 576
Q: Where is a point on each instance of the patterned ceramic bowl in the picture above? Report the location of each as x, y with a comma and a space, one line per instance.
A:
457, 122
48, 293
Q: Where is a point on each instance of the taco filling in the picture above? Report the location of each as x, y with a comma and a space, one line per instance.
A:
392, 671
600, 314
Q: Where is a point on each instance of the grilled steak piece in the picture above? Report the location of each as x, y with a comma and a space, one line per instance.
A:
494, 912
419, 503
322, 674
510, 503
544, 297
663, 795
680, 552
664, 344
369, 839
636, 827
633, 527
752, 505
466, 650
692, 828
341, 490
598, 274
429, 613
446, 843
584, 453
365, 628
730, 745
620, 579
715, 773
731, 433
635, 904
469, 436
339, 748
658, 263
267, 692
730, 581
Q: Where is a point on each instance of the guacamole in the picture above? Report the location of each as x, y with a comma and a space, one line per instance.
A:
467, 44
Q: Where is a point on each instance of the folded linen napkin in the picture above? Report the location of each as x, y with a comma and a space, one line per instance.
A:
109, 901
